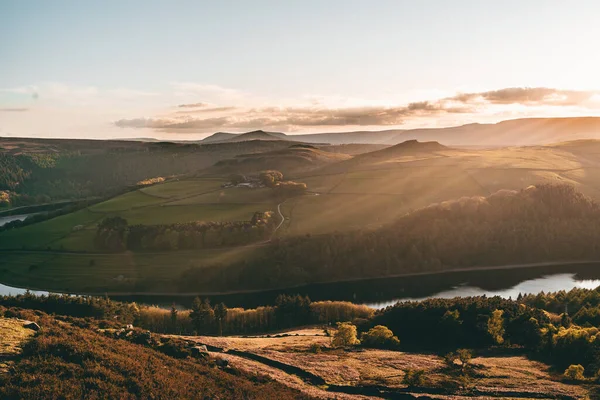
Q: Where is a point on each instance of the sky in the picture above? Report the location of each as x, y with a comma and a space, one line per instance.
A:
186, 69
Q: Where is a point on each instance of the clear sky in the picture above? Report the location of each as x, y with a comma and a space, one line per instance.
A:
123, 68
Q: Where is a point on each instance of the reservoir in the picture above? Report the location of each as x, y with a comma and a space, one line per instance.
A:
383, 292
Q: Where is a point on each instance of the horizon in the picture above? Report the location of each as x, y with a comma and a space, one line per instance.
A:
78, 70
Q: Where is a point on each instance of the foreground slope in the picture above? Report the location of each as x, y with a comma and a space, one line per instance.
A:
71, 362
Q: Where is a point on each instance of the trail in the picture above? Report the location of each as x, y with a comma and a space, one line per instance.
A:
281, 216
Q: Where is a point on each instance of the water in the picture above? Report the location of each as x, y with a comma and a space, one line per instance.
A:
380, 293
548, 283
8, 291
10, 218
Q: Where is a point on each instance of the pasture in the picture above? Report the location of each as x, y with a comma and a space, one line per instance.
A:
168, 203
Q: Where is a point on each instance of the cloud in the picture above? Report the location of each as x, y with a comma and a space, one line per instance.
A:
8, 109
527, 96
208, 110
194, 105
318, 115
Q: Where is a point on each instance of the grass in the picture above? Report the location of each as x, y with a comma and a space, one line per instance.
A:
372, 189
233, 195
43, 234
127, 201
206, 212
178, 189
12, 336
66, 361
120, 272
386, 368
168, 203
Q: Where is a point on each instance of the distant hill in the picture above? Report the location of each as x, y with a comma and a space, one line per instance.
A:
221, 137
517, 132
409, 147
295, 158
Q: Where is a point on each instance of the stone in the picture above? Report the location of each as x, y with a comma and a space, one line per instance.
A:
32, 325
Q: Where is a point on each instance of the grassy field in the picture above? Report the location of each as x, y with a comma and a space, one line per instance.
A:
45, 258
377, 187
12, 337
121, 272
495, 374
171, 202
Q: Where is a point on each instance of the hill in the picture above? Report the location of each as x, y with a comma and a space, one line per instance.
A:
36, 171
70, 359
220, 137
517, 132
296, 158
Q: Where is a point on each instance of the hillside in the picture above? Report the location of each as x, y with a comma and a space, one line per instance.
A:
72, 360
518, 132
547, 223
294, 159
42, 170
220, 137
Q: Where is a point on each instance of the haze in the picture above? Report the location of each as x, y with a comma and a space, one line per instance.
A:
186, 69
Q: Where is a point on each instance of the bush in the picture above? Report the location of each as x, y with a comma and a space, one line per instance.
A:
345, 335
380, 337
574, 372
463, 356
414, 377
315, 348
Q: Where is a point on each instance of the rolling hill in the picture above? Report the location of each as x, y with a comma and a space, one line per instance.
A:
221, 137
294, 159
517, 132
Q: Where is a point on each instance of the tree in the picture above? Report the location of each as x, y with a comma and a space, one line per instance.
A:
270, 178
574, 372
495, 326
345, 335
202, 316
220, 315
174, 313
380, 337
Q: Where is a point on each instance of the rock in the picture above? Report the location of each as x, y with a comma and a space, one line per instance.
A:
222, 363
129, 326
199, 351
32, 325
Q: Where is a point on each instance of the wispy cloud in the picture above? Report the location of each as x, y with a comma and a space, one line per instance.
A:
193, 105
9, 109
527, 96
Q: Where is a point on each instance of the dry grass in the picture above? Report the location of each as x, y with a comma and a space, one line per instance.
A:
12, 337
386, 368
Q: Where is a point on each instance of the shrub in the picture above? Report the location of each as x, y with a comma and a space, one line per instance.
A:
345, 335
414, 377
315, 348
574, 372
463, 356
380, 337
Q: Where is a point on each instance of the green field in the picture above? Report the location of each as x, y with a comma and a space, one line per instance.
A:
168, 203
122, 272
